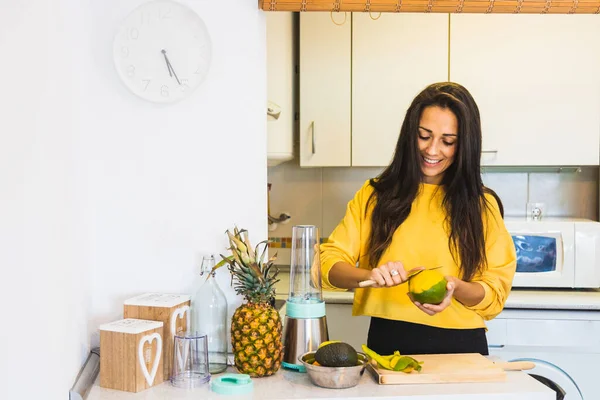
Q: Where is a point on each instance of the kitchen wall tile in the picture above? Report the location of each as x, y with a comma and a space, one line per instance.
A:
298, 192
339, 187
512, 190
566, 194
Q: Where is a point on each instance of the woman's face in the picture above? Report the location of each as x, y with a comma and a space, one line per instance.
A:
438, 129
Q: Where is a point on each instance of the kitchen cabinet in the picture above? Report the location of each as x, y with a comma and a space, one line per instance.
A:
394, 57
536, 81
280, 87
357, 79
325, 50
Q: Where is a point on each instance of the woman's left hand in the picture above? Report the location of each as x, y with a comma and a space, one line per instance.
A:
432, 309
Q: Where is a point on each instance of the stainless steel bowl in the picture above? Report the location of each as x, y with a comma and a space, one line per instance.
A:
334, 377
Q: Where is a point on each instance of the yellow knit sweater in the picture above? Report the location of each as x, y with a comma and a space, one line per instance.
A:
421, 240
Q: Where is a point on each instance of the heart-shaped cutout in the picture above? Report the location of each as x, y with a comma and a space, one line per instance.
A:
150, 375
179, 313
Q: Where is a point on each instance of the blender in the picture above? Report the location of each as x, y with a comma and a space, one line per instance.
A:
305, 326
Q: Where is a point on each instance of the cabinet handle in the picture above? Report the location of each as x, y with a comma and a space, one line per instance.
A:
489, 151
314, 148
495, 346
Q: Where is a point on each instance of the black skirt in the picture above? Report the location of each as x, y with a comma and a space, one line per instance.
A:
387, 336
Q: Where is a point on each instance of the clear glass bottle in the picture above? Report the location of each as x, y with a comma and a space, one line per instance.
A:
209, 315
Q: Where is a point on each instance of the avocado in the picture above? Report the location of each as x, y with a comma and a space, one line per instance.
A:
337, 355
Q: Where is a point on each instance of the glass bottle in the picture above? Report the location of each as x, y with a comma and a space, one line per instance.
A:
209, 315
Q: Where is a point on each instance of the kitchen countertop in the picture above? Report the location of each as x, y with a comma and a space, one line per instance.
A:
518, 299
292, 385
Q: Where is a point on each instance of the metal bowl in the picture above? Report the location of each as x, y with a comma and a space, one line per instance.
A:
334, 377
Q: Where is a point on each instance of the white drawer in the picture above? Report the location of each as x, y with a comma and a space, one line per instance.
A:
544, 333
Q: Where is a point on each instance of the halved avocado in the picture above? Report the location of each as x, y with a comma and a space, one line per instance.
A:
337, 355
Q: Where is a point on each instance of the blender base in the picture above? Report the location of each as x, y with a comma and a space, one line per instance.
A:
301, 335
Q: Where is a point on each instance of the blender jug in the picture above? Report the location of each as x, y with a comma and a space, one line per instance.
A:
305, 266
305, 326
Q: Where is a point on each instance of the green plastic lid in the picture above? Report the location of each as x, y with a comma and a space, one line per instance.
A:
232, 384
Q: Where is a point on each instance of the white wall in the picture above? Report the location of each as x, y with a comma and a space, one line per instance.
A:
104, 196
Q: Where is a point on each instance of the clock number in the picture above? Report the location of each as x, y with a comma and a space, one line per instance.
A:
145, 82
184, 84
134, 33
125, 51
131, 71
144, 18
164, 91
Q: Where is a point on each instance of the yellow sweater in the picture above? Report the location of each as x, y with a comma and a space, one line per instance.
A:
421, 240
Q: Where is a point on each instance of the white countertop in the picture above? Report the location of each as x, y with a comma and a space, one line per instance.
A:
519, 299
291, 385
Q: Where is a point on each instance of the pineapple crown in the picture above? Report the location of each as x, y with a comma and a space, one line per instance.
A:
254, 277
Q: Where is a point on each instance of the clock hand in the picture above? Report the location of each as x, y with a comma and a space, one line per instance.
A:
169, 66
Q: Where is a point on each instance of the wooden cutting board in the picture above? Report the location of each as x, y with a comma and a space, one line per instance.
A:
449, 368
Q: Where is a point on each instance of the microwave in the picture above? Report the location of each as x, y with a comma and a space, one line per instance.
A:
556, 252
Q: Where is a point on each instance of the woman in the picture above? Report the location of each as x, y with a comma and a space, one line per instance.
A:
428, 208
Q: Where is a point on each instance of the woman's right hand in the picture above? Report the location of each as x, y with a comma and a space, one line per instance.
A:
389, 274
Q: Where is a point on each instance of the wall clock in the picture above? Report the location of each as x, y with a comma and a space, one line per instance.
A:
162, 51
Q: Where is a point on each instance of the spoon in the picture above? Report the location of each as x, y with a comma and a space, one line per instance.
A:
411, 273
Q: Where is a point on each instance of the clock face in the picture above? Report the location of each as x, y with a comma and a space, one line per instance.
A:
162, 51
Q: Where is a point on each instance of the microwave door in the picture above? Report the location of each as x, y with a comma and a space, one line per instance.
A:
545, 257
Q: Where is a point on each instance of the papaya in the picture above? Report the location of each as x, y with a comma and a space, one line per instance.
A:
383, 361
394, 362
328, 342
428, 287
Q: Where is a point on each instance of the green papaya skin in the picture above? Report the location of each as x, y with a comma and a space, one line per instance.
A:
434, 295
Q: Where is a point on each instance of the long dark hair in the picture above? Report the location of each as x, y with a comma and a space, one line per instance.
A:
398, 185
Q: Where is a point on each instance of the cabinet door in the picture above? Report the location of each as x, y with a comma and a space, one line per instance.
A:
393, 58
280, 86
324, 91
537, 83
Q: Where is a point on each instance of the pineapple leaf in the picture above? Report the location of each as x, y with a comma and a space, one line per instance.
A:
236, 242
225, 260
251, 276
265, 248
247, 243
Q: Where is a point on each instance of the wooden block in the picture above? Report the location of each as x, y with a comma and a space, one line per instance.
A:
131, 354
173, 310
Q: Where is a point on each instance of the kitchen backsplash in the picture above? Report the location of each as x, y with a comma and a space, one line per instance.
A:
318, 196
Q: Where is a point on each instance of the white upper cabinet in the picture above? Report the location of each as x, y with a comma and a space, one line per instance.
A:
280, 87
325, 65
393, 58
536, 79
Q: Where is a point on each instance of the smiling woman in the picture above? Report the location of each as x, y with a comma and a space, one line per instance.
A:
428, 208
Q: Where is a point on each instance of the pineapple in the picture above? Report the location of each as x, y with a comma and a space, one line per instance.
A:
256, 324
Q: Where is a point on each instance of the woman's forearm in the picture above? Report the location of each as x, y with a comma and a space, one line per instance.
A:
346, 276
468, 293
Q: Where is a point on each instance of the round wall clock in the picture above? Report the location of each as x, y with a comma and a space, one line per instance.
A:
162, 51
